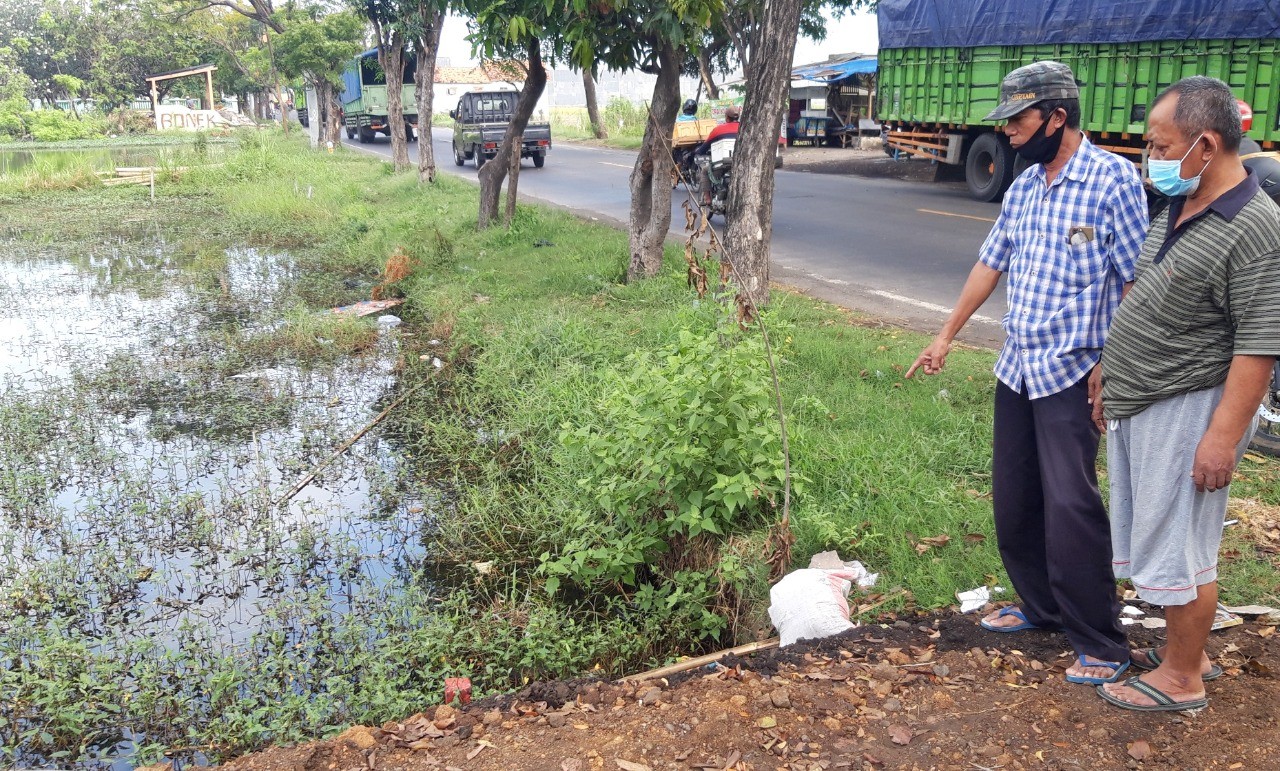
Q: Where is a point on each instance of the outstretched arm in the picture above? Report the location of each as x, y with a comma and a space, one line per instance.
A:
978, 287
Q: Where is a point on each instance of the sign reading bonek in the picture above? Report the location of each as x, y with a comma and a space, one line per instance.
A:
184, 118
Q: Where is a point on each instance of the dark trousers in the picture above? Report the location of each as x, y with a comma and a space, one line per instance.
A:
1052, 529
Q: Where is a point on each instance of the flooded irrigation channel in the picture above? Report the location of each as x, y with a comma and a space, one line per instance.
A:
159, 588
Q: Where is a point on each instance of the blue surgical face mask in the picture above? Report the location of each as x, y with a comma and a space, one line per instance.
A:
1167, 175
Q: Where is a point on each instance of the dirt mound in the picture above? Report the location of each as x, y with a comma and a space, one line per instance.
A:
931, 692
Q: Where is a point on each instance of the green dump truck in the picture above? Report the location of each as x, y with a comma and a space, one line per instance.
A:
941, 62
364, 98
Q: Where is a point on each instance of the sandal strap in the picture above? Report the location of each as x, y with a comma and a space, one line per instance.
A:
1155, 694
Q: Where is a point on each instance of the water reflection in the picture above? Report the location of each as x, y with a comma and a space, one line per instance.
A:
100, 158
147, 447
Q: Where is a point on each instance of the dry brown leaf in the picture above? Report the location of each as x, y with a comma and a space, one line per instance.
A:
1140, 750
472, 754
1266, 631
974, 538
900, 734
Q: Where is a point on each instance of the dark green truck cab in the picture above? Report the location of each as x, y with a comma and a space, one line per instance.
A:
480, 123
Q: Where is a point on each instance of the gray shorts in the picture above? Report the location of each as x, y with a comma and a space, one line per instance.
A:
1164, 534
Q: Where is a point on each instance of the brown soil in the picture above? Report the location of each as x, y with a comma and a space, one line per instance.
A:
928, 692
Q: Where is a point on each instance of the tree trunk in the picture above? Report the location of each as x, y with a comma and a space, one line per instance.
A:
593, 106
750, 214
704, 71
391, 57
494, 172
651, 177
427, 45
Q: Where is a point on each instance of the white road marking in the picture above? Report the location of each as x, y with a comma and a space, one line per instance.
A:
927, 305
619, 165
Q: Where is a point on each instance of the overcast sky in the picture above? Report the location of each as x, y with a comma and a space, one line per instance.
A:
849, 33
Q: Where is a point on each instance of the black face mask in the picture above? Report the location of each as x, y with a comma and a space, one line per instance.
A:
1040, 148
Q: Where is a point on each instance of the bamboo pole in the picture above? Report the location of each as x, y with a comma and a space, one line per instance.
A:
301, 484
684, 666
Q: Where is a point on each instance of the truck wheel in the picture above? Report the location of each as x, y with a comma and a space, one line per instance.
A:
367, 135
459, 158
989, 168
351, 133
409, 136
480, 159
539, 161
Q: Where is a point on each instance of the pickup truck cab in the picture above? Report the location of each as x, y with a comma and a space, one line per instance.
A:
480, 122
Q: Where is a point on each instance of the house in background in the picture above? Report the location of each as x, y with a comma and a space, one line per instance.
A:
452, 82
833, 100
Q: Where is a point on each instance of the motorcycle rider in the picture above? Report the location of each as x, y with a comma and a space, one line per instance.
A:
726, 130
688, 112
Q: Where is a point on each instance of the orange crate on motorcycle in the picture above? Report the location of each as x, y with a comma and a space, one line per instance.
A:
691, 132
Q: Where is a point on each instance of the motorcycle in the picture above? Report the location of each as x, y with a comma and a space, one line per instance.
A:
1266, 167
1267, 438
718, 164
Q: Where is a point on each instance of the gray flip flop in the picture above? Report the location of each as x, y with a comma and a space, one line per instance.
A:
1163, 703
1153, 659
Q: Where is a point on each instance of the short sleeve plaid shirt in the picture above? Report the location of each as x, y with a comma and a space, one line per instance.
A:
1067, 249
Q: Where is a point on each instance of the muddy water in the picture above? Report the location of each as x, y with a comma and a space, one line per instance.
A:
147, 451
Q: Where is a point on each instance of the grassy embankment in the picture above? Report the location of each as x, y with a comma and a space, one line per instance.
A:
555, 370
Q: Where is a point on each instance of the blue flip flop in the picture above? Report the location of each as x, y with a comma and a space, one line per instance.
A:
1088, 661
1014, 611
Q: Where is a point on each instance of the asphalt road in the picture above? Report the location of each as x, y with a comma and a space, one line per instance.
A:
894, 249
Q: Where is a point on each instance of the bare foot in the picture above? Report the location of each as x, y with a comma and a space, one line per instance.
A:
1004, 618
1099, 671
1179, 691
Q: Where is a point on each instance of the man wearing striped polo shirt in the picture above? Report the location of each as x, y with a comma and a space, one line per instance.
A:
1188, 360
1068, 236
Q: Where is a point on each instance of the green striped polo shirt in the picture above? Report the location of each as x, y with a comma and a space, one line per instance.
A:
1206, 292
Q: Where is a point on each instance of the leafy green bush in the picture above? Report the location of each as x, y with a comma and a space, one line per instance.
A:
621, 116
684, 445
59, 126
12, 121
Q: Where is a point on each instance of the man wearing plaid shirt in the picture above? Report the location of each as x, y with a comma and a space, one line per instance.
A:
1068, 237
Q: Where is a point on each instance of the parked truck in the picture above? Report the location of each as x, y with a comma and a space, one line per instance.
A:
480, 123
941, 63
364, 98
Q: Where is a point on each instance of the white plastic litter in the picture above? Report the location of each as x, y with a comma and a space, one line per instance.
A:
1251, 610
975, 598
811, 603
1149, 623
389, 321
1129, 610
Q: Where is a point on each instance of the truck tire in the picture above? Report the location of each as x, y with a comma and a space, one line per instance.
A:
459, 158
539, 160
479, 156
409, 136
367, 135
351, 133
988, 169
